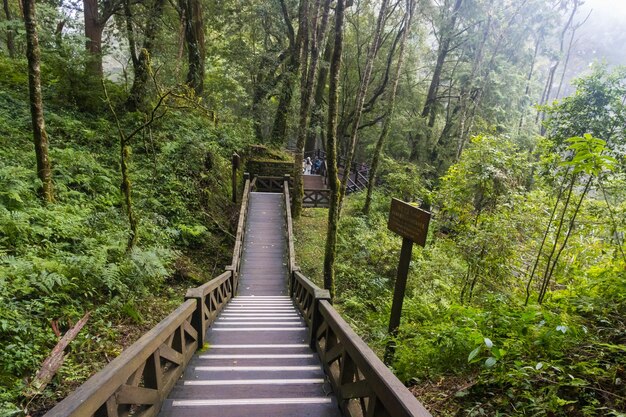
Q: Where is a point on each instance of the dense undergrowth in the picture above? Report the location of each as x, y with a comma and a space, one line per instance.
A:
486, 355
62, 260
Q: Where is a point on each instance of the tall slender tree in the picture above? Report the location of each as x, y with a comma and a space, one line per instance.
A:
360, 99
9, 30
290, 73
44, 171
307, 85
331, 152
192, 16
390, 105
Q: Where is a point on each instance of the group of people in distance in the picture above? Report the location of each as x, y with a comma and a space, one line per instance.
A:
311, 167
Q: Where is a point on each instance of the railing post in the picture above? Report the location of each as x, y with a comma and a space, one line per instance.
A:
286, 179
197, 320
316, 316
234, 278
246, 177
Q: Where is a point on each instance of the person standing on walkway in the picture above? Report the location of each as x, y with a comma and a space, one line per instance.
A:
307, 166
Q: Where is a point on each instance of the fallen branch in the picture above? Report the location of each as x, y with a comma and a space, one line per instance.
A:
54, 361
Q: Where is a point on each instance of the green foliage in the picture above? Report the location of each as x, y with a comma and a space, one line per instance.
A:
596, 108
59, 261
465, 332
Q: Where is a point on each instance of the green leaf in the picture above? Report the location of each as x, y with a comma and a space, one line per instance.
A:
488, 343
473, 354
490, 362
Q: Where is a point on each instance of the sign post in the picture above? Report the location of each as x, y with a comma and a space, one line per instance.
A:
411, 223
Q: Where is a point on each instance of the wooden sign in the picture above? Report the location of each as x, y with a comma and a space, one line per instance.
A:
408, 221
411, 223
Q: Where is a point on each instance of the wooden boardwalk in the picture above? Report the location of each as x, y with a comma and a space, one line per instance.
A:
258, 363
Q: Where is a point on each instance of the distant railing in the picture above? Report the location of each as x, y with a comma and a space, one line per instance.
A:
364, 386
140, 378
359, 171
316, 198
270, 184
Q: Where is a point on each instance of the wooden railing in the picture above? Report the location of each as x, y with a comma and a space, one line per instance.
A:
291, 252
364, 386
140, 378
316, 198
269, 184
211, 299
360, 172
137, 382
241, 230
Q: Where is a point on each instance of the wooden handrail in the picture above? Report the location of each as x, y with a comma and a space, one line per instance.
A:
137, 381
241, 229
140, 378
363, 384
291, 252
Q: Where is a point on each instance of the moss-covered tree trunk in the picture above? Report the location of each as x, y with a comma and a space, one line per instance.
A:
141, 61
40, 137
331, 152
317, 113
307, 85
192, 15
290, 74
391, 102
9, 31
93, 32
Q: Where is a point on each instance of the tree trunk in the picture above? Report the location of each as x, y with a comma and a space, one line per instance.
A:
331, 153
391, 102
443, 152
307, 85
93, 33
444, 48
317, 116
264, 82
550, 81
429, 113
360, 100
279, 128
141, 63
10, 34
40, 137
194, 39
550, 272
528, 80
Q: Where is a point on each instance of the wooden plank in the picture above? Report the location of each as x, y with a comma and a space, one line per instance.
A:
170, 354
